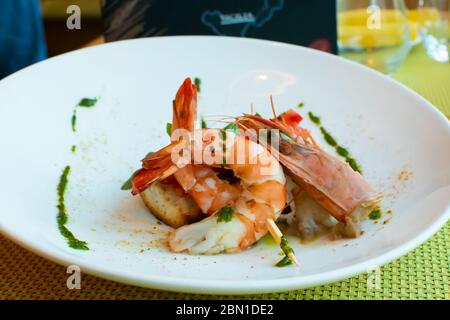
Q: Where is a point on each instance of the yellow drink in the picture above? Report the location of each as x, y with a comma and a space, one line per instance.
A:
354, 31
420, 18
378, 38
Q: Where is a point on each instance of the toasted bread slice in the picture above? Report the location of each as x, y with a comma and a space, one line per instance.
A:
166, 203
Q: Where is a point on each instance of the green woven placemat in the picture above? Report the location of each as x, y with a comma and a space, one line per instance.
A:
429, 78
422, 274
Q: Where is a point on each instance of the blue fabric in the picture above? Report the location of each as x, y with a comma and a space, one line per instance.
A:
22, 40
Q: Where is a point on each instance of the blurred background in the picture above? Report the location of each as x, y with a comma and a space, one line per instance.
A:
59, 38
376, 33
406, 39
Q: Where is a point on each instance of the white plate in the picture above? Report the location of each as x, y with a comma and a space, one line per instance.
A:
389, 129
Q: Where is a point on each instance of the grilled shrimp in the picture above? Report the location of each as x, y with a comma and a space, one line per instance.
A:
332, 183
262, 193
201, 182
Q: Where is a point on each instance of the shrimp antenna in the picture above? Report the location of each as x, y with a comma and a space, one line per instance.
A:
218, 116
273, 107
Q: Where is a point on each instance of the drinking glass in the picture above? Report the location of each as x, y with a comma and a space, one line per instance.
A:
373, 32
436, 32
420, 14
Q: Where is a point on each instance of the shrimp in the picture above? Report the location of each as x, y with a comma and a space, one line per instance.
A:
262, 194
332, 183
201, 182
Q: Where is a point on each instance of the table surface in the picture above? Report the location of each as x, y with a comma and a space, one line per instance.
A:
421, 274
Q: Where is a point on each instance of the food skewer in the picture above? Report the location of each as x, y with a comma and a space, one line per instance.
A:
277, 236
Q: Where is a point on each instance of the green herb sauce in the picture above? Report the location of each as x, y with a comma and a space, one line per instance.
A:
87, 102
74, 120
74, 149
198, 83
287, 249
63, 217
353, 164
328, 137
225, 214
343, 152
314, 118
286, 261
268, 240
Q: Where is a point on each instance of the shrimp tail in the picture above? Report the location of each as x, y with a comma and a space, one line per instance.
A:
156, 166
185, 106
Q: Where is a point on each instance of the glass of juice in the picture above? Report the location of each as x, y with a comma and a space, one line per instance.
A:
374, 33
436, 32
420, 15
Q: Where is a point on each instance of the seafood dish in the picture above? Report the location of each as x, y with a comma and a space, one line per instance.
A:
223, 189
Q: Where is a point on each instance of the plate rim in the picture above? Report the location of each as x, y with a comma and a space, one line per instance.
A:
233, 287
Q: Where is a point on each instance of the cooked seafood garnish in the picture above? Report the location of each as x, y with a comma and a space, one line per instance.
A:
262, 195
235, 180
326, 179
199, 181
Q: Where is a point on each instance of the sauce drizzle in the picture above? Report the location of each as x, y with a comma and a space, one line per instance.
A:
62, 217
343, 152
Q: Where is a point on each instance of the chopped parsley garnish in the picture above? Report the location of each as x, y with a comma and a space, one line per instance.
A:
169, 128
258, 115
198, 82
225, 214
301, 105
204, 125
127, 185
286, 248
233, 127
375, 214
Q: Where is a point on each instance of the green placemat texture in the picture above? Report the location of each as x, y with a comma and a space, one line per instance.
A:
429, 78
422, 274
